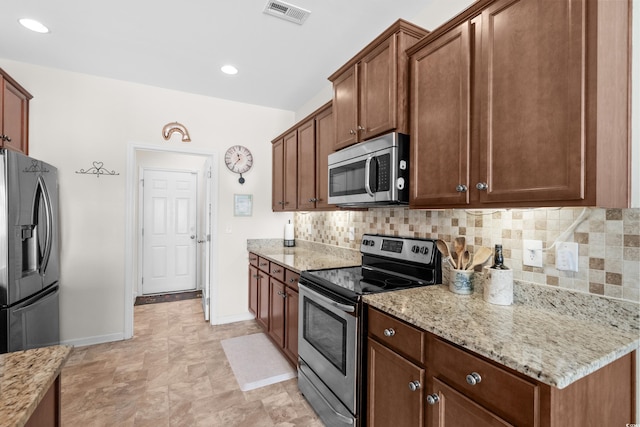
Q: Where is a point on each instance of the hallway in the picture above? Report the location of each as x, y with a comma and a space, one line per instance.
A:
172, 373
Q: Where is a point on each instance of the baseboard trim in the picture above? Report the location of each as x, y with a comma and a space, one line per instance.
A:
221, 320
100, 339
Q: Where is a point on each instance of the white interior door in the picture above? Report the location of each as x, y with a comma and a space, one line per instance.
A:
169, 231
206, 243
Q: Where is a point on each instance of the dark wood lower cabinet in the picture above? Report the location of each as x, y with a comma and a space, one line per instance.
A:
48, 412
405, 389
273, 299
391, 401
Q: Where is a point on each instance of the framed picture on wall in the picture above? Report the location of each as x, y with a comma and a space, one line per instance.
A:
242, 204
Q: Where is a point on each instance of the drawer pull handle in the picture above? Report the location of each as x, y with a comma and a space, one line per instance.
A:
276, 271
473, 378
389, 332
414, 385
432, 399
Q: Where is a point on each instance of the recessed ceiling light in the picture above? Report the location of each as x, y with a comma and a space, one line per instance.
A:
229, 69
33, 25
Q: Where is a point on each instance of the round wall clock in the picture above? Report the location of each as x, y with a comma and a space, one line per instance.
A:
239, 160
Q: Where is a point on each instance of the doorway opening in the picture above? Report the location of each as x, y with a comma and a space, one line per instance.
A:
196, 243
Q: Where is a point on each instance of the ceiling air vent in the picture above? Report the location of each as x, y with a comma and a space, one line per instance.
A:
286, 11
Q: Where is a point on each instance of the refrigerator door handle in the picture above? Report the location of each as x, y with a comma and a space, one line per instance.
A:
43, 194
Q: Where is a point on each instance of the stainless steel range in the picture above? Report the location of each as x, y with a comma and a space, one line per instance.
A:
332, 325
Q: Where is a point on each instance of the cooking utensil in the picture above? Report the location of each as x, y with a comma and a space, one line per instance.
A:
480, 257
459, 246
464, 261
444, 250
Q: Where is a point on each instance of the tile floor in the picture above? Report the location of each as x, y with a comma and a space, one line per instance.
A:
172, 373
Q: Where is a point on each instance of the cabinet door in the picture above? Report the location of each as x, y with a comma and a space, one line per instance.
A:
290, 171
276, 311
453, 409
306, 166
291, 324
253, 289
263, 300
532, 137
277, 185
345, 108
390, 401
325, 137
378, 90
440, 131
15, 113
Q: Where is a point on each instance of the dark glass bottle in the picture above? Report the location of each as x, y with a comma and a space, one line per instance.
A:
498, 259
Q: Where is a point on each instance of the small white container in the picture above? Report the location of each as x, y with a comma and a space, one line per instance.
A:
461, 281
498, 286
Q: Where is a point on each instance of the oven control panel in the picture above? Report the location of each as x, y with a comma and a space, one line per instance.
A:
401, 248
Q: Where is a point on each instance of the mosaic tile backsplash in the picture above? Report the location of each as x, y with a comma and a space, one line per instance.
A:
608, 239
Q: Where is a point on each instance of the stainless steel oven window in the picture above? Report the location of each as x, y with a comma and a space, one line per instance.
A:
327, 333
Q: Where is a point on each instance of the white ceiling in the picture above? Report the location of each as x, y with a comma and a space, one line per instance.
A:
181, 45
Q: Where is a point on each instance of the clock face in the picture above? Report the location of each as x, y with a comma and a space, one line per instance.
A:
238, 159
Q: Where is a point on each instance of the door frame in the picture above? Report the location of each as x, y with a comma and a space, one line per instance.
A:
138, 289
131, 232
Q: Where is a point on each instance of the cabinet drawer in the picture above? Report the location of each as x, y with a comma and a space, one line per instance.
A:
277, 271
500, 391
291, 279
397, 335
253, 259
263, 264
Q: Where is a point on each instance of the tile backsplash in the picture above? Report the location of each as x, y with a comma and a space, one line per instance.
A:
608, 239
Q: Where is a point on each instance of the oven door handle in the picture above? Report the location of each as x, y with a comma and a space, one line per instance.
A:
367, 176
344, 307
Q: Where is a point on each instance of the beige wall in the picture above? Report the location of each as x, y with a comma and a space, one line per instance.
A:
77, 119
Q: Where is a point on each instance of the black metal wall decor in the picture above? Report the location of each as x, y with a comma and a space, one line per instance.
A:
97, 169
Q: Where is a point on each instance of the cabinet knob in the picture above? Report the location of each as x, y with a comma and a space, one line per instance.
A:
292, 280
482, 186
473, 378
360, 128
256, 276
414, 385
313, 200
461, 188
389, 332
432, 399
352, 132
276, 271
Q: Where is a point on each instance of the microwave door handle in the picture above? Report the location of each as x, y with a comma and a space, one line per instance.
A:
367, 175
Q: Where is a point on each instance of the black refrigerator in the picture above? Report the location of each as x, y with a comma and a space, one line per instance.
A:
29, 253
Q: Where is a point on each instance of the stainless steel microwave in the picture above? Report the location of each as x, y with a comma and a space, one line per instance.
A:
371, 173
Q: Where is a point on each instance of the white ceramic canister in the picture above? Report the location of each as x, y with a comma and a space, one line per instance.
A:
498, 286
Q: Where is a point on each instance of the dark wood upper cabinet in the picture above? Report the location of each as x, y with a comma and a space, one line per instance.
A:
370, 92
300, 163
14, 114
523, 103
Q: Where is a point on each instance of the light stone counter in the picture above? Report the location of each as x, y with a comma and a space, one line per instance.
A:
554, 346
25, 377
305, 255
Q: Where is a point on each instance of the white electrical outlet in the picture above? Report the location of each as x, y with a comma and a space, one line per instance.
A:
532, 253
352, 233
567, 256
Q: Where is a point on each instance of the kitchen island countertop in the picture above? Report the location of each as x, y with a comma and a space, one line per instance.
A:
554, 348
25, 377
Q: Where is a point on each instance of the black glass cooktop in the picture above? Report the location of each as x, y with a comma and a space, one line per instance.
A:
356, 281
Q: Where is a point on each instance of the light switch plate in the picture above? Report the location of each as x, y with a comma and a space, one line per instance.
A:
567, 256
532, 253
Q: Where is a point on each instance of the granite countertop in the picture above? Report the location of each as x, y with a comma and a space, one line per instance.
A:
304, 256
554, 348
25, 377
